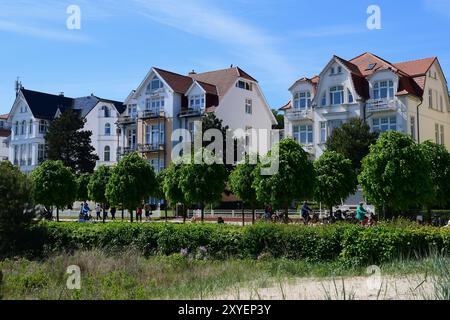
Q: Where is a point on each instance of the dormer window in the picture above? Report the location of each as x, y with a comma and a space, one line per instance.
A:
383, 89
337, 95
332, 70
339, 70
244, 85
197, 102
302, 100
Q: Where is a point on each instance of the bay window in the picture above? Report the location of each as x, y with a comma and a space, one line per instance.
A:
303, 134
197, 102
384, 124
302, 100
383, 89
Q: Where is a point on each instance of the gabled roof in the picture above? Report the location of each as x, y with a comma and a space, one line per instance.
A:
177, 82
4, 116
44, 105
416, 67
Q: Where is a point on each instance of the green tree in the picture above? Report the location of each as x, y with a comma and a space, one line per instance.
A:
294, 179
439, 158
335, 179
395, 174
17, 209
203, 183
172, 189
82, 187
241, 182
352, 140
54, 185
159, 189
132, 180
280, 119
97, 185
66, 141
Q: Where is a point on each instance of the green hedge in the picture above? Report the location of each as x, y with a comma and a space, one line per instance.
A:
326, 243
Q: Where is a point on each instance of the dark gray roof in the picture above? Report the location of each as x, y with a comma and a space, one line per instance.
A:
45, 106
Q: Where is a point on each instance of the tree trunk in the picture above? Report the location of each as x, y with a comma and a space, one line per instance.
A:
253, 215
286, 214
131, 216
243, 215
184, 212
57, 214
203, 212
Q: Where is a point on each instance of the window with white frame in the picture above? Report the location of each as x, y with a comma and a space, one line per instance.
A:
248, 106
244, 85
430, 98
197, 102
337, 95
323, 132
132, 110
303, 134
441, 103
16, 155
383, 89
42, 126
107, 154
41, 153
436, 133
16, 128
155, 104
302, 100
413, 127
106, 112
442, 135
23, 128
30, 127
384, 124
350, 96
154, 85
107, 129
30, 154
324, 99
334, 124
162, 133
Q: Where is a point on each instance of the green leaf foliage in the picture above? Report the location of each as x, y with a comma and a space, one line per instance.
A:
171, 185
335, 178
97, 184
352, 140
54, 185
241, 182
439, 158
396, 174
17, 209
293, 181
132, 180
82, 189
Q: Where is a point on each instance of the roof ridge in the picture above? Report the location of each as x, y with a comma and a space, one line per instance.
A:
46, 93
174, 73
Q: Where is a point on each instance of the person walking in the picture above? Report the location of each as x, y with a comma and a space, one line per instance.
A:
98, 210
148, 212
105, 213
139, 214
361, 214
305, 212
113, 213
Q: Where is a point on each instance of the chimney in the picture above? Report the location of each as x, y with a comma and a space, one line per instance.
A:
192, 72
231, 66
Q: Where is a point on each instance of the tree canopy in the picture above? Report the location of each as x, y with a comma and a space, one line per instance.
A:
352, 140
395, 174
97, 184
171, 185
54, 185
241, 182
82, 187
439, 158
294, 179
203, 183
132, 181
17, 209
66, 141
335, 179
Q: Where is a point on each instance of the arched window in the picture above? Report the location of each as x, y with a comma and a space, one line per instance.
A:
107, 129
107, 154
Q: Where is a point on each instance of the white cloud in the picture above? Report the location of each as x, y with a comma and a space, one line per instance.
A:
39, 32
197, 17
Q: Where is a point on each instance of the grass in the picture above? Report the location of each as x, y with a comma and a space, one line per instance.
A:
131, 276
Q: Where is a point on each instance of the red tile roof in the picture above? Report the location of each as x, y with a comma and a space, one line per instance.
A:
416, 67
4, 116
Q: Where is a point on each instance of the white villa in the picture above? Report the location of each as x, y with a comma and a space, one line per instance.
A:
411, 97
32, 112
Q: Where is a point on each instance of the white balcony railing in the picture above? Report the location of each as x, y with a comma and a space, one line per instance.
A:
299, 114
380, 105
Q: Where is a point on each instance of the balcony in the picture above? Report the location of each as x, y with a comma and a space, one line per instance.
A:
126, 120
124, 151
151, 147
149, 114
190, 113
299, 114
381, 105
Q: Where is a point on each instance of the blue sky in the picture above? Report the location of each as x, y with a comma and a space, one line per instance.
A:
275, 41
